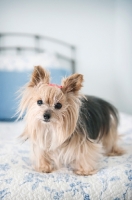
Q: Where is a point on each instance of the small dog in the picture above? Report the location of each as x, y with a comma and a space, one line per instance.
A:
65, 127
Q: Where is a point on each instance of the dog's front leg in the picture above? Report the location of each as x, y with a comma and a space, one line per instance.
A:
45, 164
42, 161
87, 158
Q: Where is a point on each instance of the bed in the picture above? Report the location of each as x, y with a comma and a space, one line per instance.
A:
18, 180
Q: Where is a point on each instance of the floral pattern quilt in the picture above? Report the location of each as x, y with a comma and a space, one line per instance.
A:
18, 181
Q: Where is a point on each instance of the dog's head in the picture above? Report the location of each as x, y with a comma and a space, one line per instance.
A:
49, 106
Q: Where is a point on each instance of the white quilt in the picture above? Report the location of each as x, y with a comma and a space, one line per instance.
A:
18, 181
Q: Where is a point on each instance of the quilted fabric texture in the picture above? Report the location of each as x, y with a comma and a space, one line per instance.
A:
18, 180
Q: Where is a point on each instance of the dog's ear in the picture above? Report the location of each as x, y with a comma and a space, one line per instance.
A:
39, 75
73, 83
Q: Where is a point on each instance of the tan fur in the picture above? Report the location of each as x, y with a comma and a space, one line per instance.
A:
58, 143
39, 75
72, 83
110, 141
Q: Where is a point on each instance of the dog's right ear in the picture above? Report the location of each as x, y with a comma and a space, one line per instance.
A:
39, 75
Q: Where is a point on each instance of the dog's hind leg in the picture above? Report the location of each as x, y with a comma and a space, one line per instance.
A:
110, 141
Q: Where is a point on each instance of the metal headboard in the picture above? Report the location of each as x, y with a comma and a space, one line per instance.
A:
37, 46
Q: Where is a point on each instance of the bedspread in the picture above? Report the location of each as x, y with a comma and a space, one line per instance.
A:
18, 181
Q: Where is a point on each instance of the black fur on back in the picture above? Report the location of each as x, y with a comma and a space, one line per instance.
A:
95, 117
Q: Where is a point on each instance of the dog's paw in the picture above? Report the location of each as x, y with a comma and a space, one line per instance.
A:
45, 169
85, 172
116, 151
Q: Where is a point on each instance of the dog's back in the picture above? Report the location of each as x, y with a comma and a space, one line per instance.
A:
100, 120
96, 115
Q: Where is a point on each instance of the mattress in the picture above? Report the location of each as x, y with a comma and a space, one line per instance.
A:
18, 180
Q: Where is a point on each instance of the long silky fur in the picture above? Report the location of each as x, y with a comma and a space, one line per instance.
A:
75, 134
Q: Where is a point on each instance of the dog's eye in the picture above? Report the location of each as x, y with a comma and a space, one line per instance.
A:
58, 106
39, 102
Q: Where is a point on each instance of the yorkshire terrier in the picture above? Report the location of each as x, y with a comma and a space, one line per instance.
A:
65, 127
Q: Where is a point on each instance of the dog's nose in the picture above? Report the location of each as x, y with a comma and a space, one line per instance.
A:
47, 117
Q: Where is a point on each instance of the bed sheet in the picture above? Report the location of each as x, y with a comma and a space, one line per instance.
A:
18, 180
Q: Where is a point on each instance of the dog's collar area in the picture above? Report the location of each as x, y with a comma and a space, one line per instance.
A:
59, 86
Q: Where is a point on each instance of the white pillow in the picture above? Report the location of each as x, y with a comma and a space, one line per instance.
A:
26, 63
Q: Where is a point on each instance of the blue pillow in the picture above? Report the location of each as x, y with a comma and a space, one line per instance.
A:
12, 81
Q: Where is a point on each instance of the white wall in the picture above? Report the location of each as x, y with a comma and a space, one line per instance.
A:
123, 55
100, 30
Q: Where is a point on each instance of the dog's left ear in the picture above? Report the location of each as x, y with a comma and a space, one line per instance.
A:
72, 84
39, 75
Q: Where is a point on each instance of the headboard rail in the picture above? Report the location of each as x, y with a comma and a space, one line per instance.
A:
37, 46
